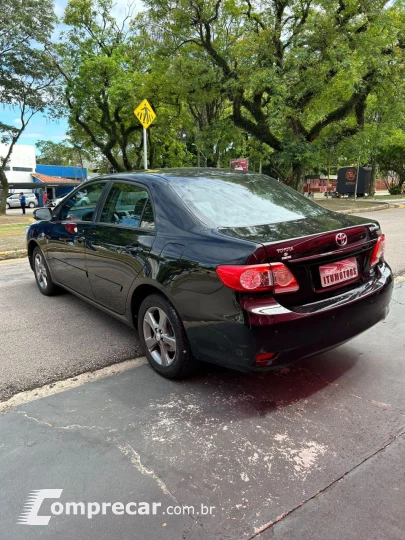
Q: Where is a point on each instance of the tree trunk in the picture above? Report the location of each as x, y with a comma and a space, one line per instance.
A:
298, 177
372, 182
4, 193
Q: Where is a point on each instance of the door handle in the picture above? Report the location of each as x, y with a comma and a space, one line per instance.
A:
133, 250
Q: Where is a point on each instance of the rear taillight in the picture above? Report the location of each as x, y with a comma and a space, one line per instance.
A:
378, 250
258, 277
265, 359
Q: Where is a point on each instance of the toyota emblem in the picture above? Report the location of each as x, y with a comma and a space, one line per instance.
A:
341, 239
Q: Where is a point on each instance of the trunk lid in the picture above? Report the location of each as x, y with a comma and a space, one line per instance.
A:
306, 245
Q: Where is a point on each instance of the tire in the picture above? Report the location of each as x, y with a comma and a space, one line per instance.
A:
31, 205
164, 339
42, 274
8, 206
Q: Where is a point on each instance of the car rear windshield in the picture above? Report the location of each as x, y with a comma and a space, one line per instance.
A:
242, 200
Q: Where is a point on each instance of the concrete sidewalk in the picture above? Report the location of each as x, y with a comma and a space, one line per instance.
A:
313, 451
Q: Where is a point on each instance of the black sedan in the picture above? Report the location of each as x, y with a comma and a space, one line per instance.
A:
212, 265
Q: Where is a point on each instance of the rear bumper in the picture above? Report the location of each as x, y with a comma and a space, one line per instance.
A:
308, 330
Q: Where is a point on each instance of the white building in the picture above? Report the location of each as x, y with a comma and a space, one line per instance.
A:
21, 164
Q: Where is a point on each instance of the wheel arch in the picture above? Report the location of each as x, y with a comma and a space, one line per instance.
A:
31, 246
139, 295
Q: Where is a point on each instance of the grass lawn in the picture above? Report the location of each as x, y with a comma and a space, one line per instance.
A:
388, 196
15, 220
12, 235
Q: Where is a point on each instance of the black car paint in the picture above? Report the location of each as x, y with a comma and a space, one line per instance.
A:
179, 259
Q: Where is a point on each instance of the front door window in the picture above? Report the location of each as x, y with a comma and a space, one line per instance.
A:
82, 204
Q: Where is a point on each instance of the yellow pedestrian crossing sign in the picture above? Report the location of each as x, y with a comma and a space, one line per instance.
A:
145, 113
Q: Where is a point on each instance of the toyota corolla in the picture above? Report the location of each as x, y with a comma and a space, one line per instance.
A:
212, 265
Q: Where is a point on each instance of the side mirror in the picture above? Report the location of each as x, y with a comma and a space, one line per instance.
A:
42, 214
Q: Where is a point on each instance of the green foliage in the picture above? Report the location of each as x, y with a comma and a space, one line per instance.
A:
391, 157
296, 86
26, 76
61, 153
293, 72
395, 190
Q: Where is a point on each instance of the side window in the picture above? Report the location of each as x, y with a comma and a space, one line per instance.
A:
81, 205
148, 221
125, 205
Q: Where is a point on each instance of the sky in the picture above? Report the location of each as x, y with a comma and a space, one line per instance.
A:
40, 127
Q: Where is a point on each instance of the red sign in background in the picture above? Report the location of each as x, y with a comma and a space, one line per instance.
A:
240, 164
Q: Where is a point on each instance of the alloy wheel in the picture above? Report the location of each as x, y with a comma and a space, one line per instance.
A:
40, 271
159, 336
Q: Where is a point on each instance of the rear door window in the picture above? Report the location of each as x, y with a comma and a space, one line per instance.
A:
128, 205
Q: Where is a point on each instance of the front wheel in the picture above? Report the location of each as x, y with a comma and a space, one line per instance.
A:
42, 274
8, 206
164, 339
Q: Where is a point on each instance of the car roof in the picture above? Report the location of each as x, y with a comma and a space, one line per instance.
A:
165, 175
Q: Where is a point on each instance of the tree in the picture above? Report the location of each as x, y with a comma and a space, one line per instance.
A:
96, 63
62, 153
391, 158
294, 71
107, 68
25, 74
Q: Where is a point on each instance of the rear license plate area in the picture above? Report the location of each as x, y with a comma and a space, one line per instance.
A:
343, 271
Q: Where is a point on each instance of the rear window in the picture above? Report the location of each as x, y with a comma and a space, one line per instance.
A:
243, 200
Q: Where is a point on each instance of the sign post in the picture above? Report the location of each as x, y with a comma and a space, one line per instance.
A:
357, 178
146, 115
145, 149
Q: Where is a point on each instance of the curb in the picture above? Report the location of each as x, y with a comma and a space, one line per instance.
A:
15, 254
382, 206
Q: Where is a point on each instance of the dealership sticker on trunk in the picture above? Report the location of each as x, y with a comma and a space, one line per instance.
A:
337, 272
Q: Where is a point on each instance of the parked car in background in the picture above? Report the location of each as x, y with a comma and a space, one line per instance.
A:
51, 203
54, 202
226, 267
13, 200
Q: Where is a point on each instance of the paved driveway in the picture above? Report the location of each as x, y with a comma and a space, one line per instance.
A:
313, 451
45, 339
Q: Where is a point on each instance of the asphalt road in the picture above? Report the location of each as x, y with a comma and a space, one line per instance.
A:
313, 452
45, 339
392, 223
18, 212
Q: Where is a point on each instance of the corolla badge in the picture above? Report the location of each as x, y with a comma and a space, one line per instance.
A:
285, 249
285, 252
341, 239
